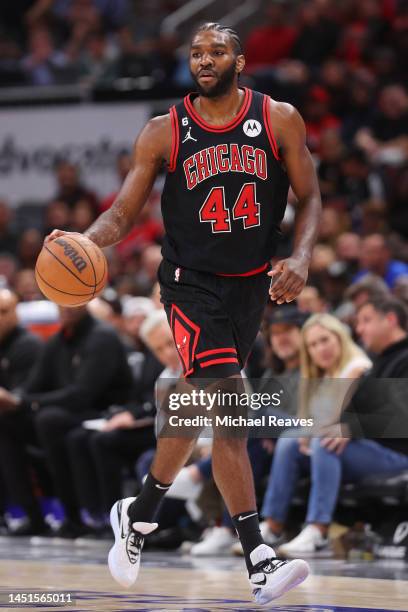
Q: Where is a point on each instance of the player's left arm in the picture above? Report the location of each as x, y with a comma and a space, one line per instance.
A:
290, 132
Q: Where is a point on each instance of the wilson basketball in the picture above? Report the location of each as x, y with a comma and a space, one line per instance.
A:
71, 270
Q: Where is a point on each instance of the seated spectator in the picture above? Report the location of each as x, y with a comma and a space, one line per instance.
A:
26, 286
57, 216
374, 217
98, 457
318, 117
65, 388
151, 258
44, 64
385, 139
382, 325
376, 258
310, 300
317, 36
397, 217
330, 156
29, 246
259, 52
69, 186
368, 287
97, 62
83, 215
323, 256
327, 350
8, 238
361, 91
8, 269
10, 62
348, 249
359, 181
335, 77
135, 311
19, 351
333, 223
401, 289
123, 163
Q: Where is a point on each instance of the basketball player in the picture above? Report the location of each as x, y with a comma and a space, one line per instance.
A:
231, 155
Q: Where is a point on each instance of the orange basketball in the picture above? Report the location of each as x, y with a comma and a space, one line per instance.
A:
71, 270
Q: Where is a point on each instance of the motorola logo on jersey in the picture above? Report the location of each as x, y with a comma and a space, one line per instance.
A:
225, 158
252, 128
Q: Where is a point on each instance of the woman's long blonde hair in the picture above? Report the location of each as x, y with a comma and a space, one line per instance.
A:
348, 348
311, 374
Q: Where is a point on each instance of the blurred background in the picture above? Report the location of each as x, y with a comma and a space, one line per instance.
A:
78, 80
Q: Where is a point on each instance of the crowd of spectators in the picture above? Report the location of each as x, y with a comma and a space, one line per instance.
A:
342, 65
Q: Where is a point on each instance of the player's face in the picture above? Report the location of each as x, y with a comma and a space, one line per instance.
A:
214, 65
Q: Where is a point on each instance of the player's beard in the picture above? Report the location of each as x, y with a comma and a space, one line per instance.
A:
222, 86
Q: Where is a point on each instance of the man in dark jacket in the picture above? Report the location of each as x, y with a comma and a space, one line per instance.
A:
378, 409
19, 351
82, 371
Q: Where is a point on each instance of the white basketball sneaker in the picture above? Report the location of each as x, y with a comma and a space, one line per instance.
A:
271, 577
124, 556
310, 542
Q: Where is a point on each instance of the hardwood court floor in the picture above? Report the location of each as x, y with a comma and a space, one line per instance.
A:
170, 582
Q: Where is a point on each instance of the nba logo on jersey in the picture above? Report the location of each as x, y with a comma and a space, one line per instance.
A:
177, 275
252, 128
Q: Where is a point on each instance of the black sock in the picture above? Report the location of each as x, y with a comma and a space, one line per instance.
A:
147, 502
247, 527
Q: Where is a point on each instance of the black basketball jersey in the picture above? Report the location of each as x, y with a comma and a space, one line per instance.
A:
226, 190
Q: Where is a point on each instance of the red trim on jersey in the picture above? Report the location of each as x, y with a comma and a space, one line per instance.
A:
196, 328
214, 351
206, 364
268, 125
174, 139
250, 273
221, 128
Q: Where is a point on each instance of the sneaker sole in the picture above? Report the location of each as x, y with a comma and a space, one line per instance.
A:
112, 561
295, 573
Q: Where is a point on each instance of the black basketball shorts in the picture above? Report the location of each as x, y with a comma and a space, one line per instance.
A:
214, 319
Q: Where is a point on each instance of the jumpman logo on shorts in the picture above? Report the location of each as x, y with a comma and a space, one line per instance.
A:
188, 136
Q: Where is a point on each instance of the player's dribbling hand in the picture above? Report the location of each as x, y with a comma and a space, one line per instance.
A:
289, 277
56, 233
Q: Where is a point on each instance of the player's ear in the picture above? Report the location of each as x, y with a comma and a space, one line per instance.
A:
240, 63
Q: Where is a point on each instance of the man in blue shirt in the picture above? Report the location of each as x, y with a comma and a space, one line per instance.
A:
376, 258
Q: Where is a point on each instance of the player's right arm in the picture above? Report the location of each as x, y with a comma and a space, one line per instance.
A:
152, 147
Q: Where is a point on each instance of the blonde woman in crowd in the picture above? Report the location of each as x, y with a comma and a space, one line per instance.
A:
330, 361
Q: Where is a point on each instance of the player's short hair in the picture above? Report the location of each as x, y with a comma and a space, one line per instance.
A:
387, 304
218, 27
153, 320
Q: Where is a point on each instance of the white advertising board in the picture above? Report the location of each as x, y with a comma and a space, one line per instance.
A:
31, 140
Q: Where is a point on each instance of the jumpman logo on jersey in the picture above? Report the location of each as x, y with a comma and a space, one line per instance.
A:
188, 136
